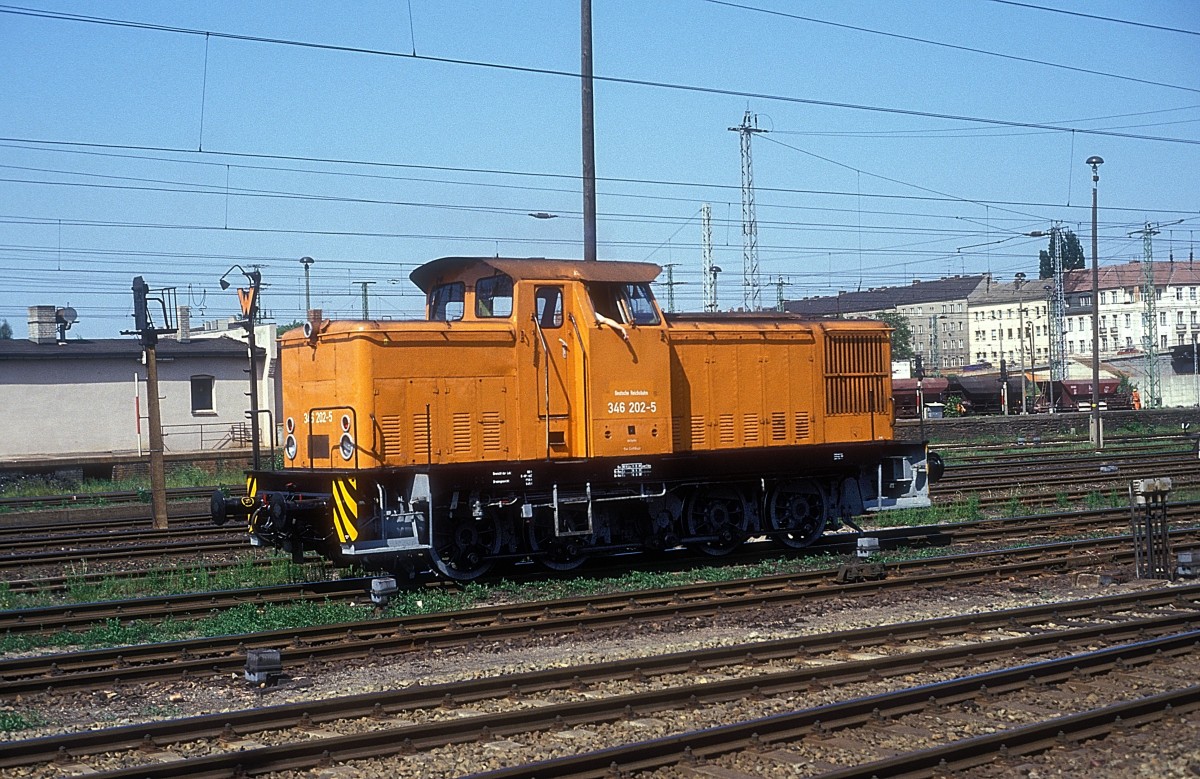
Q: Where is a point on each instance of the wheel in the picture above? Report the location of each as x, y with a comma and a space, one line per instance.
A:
558, 553
796, 511
463, 547
720, 516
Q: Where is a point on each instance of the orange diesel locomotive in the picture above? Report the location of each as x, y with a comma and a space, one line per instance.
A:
548, 409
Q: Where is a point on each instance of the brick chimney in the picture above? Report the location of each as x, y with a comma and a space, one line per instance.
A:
184, 316
42, 327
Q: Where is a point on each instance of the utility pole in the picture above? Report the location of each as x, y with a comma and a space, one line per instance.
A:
1021, 313
589, 133
750, 286
307, 263
779, 294
144, 328
670, 285
707, 269
365, 308
1097, 422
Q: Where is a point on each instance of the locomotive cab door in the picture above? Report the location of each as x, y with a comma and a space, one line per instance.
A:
558, 362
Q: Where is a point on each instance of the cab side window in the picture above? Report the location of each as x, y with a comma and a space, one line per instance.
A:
548, 307
446, 302
624, 303
641, 304
494, 296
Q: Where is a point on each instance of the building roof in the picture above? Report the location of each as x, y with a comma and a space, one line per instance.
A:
120, 348
1018, 290
1130, 274
886, 298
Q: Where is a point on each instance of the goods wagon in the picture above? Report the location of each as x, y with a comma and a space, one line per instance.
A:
549, 410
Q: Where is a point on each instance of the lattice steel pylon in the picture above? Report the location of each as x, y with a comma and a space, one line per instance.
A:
751, 289
1058, 308
707, 269
1152, 397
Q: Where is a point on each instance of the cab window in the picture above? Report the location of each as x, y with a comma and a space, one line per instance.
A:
641, 304
549, 307
493, 296
446, 302
624, 303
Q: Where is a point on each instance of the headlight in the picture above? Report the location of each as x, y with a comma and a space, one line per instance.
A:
289, 446
346, 447
290, 424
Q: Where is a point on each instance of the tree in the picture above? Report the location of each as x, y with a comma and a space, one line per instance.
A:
902, 340
1072, 255
5, 330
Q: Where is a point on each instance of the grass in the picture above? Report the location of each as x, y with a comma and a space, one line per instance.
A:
181, 475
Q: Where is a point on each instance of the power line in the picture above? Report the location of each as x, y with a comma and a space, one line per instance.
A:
18, 11
62, 146
953, 46
1099, 18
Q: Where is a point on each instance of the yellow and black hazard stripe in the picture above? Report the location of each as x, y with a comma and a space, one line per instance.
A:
248, 502
345, 508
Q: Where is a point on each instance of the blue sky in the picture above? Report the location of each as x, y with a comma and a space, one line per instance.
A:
307, 129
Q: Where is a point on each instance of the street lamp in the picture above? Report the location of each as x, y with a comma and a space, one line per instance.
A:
1097, 432
307, 263
249, 301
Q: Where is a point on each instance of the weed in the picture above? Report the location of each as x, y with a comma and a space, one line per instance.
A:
12, 720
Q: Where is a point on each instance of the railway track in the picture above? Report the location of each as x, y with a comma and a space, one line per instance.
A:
381, 637
760, 702
76, 616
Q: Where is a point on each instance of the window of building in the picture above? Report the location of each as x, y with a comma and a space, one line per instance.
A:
1127, 320
1179, 293
1162, 318
1128, 341
1085, 300
1194, 313
202, 395
1178, 317
494, 296
1164, 342
1191, 293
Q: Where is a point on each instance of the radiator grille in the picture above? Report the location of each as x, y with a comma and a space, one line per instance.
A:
390, 432
420, 437
726, 432
802, 431
856, 366
778, 426
750, 429
462, 432
698, 437
491, 431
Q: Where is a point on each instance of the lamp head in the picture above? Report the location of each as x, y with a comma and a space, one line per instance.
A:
224, 284
306, 261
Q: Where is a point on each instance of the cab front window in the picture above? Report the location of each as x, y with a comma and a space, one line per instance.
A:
494, 296
446, 302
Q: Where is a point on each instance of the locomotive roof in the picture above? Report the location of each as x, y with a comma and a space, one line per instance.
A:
537, 268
